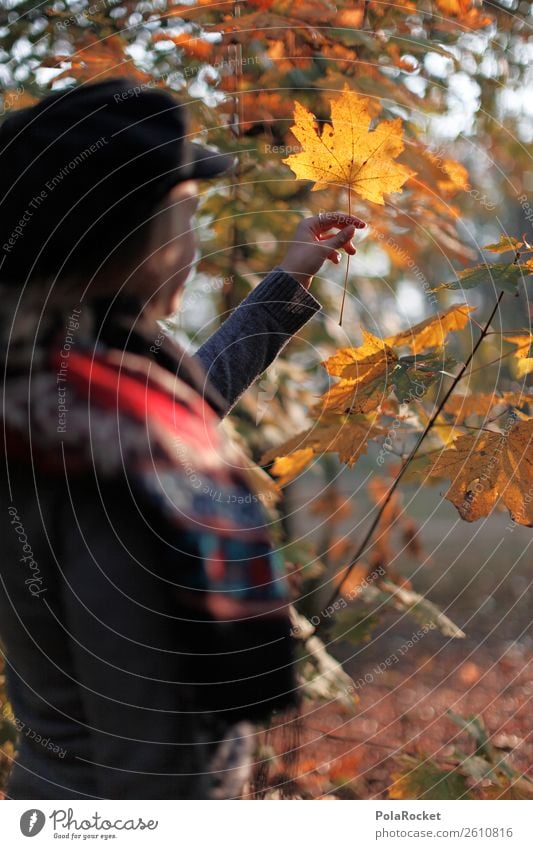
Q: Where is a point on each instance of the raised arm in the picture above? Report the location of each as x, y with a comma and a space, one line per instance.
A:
255, 333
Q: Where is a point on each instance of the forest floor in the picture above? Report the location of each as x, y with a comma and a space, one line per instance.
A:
404, 711
480, 576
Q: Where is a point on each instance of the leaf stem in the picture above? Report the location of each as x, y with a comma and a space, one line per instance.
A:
360, 551
348, 262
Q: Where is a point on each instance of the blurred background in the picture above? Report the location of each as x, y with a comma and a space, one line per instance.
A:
459, 75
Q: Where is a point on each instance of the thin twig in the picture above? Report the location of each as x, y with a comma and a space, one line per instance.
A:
491, 363
235, 51
474, 321
373, 526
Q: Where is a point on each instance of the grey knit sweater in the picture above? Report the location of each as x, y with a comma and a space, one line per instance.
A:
255, 333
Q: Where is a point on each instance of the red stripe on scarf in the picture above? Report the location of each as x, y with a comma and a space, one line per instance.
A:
111, 387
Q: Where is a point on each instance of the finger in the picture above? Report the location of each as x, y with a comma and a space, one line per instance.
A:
349, 247
340, 238
326, 220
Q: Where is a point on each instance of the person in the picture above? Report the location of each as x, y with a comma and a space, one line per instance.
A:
143, 607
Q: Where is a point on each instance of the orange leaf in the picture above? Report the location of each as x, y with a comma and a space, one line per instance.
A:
364, 371
432, 332
353, 583
349, 18
465, 12
524, 352
288, 468
480, 403
503, 245
193, 46
487, 467
348, 439
457, 177
363, 363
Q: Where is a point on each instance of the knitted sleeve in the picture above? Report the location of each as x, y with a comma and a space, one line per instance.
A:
255, 333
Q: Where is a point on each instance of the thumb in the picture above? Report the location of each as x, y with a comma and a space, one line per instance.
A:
340, 238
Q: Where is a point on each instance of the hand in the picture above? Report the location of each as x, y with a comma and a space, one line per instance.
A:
313, 245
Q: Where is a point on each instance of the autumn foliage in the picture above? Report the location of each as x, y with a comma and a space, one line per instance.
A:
352, 106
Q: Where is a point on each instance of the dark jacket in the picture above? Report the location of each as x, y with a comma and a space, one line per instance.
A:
139, 625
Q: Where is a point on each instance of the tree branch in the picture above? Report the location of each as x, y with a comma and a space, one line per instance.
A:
394, 486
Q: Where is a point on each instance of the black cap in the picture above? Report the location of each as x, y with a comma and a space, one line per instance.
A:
84, 167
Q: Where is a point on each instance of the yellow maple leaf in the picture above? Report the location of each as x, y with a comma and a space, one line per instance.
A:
524, 349
348, 153
487, 467
364, 372
432, 332
362, 363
